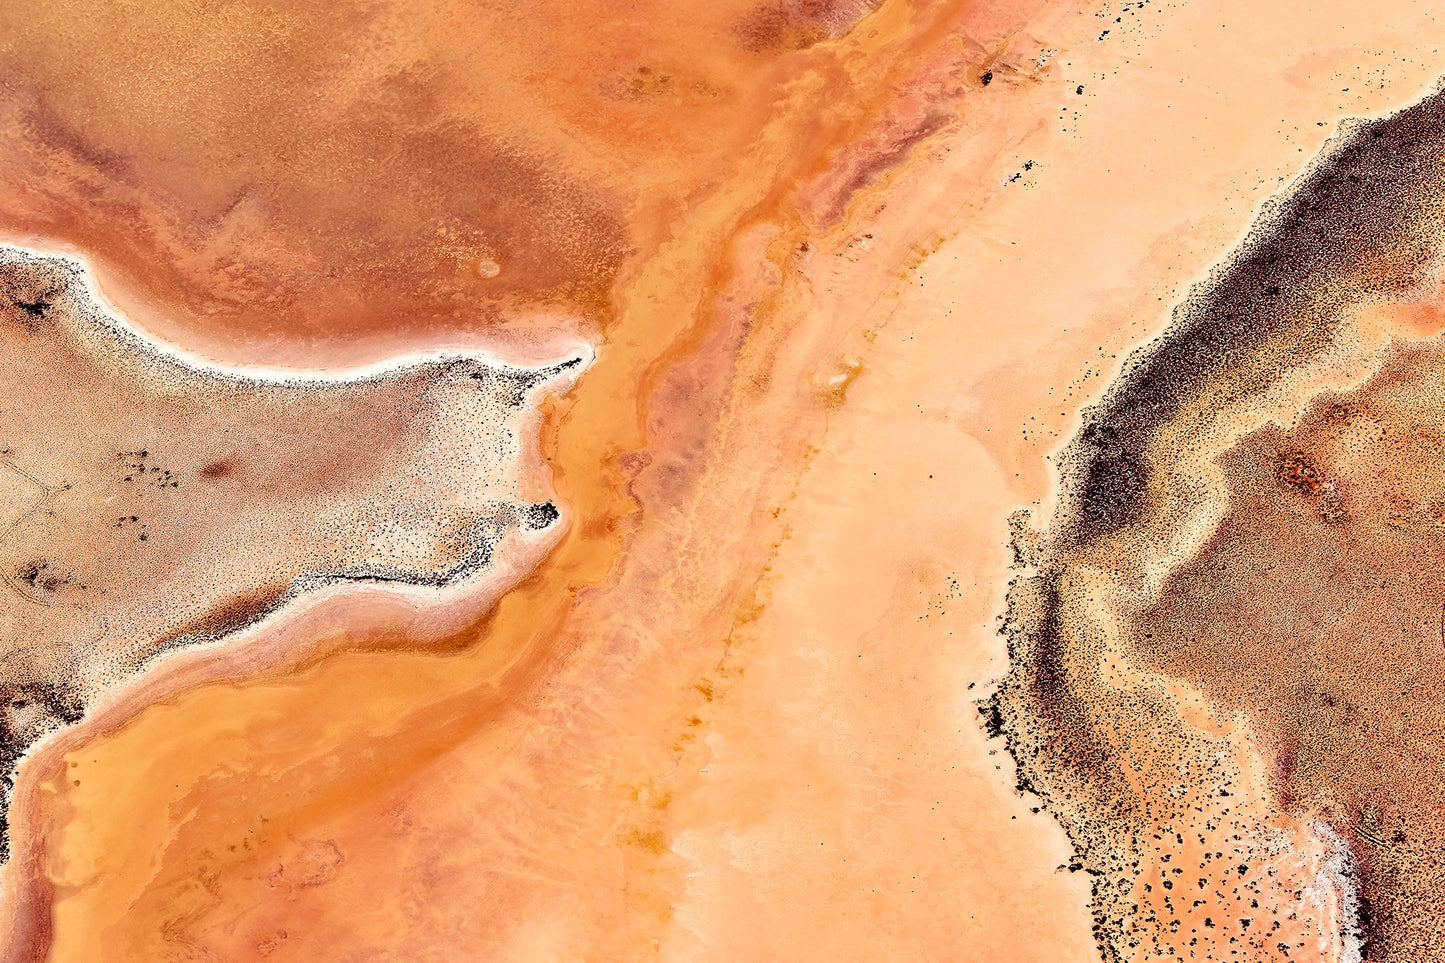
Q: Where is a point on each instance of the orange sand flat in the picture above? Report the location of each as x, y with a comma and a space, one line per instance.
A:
732, 714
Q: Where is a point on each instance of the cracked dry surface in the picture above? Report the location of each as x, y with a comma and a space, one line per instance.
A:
150, 503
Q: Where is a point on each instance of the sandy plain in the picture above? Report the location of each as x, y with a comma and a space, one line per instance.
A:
733, 714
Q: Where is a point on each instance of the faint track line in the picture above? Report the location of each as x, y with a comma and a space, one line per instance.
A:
47, 494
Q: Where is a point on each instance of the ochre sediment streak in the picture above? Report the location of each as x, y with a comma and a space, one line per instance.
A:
729, 717
723, 271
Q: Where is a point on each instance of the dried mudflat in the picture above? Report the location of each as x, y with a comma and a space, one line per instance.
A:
152, 503
852, 274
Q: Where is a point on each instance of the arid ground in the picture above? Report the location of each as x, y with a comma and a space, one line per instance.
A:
601, 434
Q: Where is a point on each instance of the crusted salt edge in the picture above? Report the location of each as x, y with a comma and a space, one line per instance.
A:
1337, 883
105, 313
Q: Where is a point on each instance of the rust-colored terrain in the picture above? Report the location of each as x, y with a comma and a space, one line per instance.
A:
535, 482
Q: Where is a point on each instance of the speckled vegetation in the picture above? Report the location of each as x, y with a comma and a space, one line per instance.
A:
148, 504
1318, 608
1310, 607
